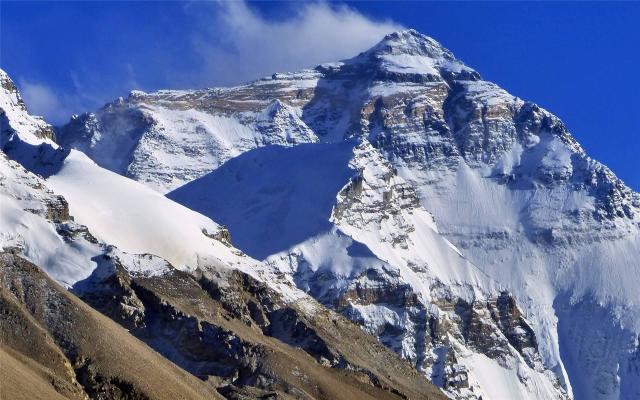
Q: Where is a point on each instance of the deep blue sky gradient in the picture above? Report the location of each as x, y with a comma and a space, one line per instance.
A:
579, 60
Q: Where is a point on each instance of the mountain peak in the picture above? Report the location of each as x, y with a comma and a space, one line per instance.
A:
410, 53
412, 42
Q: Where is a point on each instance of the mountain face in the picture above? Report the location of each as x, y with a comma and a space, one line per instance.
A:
109, 290
458, 226
370, 251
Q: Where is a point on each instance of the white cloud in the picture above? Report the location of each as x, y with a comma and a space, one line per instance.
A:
240, 45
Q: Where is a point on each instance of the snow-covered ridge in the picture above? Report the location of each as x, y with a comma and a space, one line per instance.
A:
166, 146
31, 129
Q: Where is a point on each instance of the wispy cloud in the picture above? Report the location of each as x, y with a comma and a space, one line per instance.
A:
42, 100
239, 44
86, 92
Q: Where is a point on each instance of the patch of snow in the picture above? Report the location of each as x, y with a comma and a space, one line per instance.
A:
497, 382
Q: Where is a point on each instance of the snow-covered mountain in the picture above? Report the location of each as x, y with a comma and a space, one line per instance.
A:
366, 150
122, 247
461, 226
192, 304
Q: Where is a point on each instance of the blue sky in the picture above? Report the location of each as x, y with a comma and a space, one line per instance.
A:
579, 60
